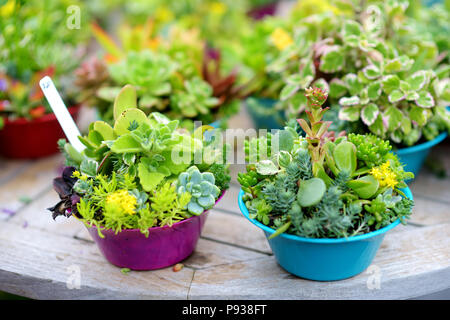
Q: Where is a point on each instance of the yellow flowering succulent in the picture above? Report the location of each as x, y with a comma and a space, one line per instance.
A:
8, 8
123, 200
384, 175
281, 39
218, 8
77, 174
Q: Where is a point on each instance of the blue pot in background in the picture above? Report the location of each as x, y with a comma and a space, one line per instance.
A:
263, 113
414, 157
323, 259
216, 124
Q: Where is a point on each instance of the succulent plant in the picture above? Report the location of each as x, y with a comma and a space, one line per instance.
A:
64, 187
173, 73
196, 100
90, 77
126, 176
380, 74
320, 185
202, 188
36, 42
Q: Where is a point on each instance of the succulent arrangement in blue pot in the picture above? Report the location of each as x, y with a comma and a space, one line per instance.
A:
325, 202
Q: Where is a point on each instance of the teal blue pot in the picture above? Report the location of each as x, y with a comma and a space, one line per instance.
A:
414, 157
323, 259
263, 113
216, 124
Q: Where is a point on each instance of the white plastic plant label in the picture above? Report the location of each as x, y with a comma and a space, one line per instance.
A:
62, 114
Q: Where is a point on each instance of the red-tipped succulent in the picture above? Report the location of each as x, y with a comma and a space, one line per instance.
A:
224, 86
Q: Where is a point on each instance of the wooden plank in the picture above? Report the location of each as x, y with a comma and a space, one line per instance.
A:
229, 202
427, 184
409, 264
211, 253
10, 168
235, 230
37, 264
427, 212
430, 187
33, 181
36, 215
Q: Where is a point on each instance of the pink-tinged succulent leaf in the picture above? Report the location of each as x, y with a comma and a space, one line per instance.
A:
425, 100
418, 115
349, 113
411, 96
417, 80
323, 129
390, 83
369, 114
371, 72
332, 60
337, 88
378, 127
288, 91
392, 118
304, 125
393, 65
396, 96
349, 101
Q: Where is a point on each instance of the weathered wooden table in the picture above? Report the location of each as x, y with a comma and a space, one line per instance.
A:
45, 259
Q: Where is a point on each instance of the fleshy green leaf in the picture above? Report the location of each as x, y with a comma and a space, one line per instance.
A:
126, 144
122, 124
266, 168
371, 72
149, 180
126, 99
374, 90
349, 113
411, 96
425, 100
390, 83
288, 91
351, 28
345, 156
369, 114
377, 127
310, 192
395, 96
418, 80
105, 130
366, 191
89, 167
393, 117
337, 88
393, 65
349, 101
332, 60
418, 115
353, 84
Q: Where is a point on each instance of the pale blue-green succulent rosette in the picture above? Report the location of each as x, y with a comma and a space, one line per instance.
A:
202, 188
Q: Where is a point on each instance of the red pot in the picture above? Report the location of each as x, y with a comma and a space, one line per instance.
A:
29, 139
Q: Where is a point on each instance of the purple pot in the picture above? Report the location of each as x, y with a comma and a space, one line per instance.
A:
163, 247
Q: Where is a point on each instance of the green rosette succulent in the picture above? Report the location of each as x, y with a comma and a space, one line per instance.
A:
202, 188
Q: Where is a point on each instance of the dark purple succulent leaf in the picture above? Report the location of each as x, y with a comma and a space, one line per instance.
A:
63, 188
67, 175
75, 199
